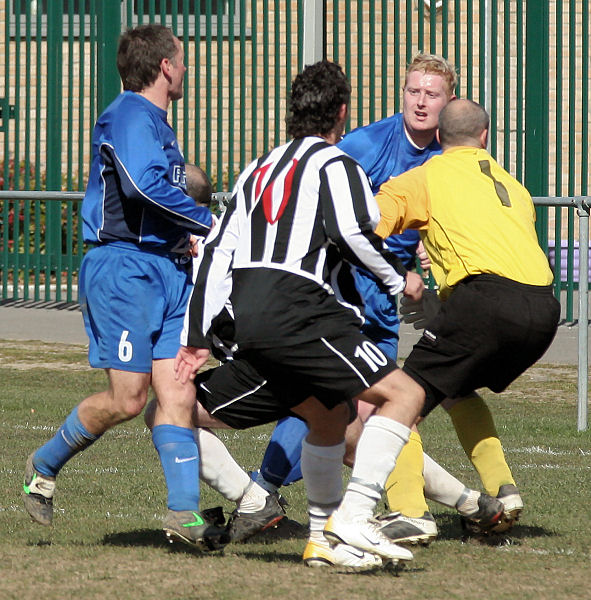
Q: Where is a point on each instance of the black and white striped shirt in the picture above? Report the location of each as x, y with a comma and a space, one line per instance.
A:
278, 252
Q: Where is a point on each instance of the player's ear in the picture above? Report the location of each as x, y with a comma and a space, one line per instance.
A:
165, 67
483, 137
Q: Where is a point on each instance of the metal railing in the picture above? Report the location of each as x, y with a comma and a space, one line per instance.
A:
582, 205
41, 245
40, 260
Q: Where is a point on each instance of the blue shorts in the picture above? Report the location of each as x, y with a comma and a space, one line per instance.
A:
381, 319
133, 304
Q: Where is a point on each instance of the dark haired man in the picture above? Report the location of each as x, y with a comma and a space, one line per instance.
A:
134, 283
298, 216
384, 149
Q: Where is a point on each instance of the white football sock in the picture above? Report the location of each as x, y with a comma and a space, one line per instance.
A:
254, 498
380, 443
322, 470
468, 503
444, 488
224, 474
440, 485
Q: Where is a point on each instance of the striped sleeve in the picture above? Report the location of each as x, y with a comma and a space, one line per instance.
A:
212, 279
351, 214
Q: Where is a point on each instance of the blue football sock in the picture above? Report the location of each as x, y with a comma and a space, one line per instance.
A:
179, 456
281, 463
71, 438
296, 472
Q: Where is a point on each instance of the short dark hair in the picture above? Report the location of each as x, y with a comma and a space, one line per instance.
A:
317, 94
140, 53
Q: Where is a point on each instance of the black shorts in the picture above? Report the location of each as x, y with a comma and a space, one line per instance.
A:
238, 396
261, 386
487, 333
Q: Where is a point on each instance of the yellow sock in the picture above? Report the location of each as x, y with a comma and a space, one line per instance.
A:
405, 485
477, 434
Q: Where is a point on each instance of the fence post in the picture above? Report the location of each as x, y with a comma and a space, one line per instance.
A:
55, 36
583, 213
108, 15
536, 108
314, 31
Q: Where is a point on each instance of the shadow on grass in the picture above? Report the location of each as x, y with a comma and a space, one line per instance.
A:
268, 556
40, 543
138, 537
296, 559
286, 529
450, 528
155, 538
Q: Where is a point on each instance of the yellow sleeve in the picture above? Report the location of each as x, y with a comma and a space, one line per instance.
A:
404, 203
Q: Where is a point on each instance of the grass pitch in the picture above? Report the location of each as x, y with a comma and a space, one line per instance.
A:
106, 540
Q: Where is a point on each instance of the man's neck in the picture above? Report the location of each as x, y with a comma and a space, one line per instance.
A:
419, 139
157, 95
332, 137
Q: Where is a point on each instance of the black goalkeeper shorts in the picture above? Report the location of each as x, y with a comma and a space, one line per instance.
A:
487, 333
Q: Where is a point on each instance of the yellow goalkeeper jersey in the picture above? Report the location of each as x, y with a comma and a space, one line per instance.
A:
473, 217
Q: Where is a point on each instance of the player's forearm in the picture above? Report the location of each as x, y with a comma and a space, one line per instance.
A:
367, 250
212, 279
351, 229
176, 207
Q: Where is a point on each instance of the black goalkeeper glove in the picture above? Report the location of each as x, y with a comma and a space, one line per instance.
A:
419, 312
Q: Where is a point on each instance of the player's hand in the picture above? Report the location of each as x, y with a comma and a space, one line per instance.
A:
419, 312
188, 361
195, 244
414, 285
424, 260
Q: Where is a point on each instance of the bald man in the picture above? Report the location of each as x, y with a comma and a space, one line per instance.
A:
498, 314
198, 185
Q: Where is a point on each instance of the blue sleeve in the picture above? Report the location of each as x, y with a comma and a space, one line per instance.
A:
145, 158
360, 146
374, 147
404, 245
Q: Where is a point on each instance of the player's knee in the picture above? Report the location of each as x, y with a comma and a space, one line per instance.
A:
329, 425
131, 406
133, 409
414, 395
400, 389
178, 398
